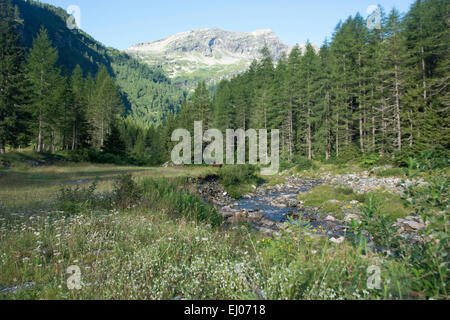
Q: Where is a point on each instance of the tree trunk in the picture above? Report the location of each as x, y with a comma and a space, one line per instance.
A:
397, 111
52, 142
361, 128
39, 141
424, 75
337, 136
309, 134
327, 128
73, 137
291, 126
102, 133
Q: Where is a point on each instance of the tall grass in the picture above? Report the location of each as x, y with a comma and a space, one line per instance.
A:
238, 180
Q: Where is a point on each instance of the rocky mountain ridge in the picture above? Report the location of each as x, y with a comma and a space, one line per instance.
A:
209, 54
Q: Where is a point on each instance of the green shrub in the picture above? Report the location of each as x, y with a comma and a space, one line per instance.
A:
125, 192
238, 179
348, 154
302, 163
286, 165
370, 160
434, 158
231, 175
391, 172
173, 197
74, 200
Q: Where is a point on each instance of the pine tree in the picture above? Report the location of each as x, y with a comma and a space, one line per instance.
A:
114, 144
79, 122
323, 131
105, 105
201, 106
224, 113
394, 55
307, 115
43, 75
263, 91
13, 113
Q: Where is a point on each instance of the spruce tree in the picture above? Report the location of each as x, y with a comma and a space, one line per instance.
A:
13, 113
114, 143
43, 75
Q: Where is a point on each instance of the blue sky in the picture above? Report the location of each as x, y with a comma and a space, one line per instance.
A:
120, 24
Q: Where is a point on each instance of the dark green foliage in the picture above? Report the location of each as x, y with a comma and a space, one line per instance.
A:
370, 160
77, 199
174, 198
366, 96
74, 200
114, 144
147, 93
238, 179
126, 192
302, 163
14, 115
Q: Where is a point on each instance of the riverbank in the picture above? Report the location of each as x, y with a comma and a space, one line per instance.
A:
160, 240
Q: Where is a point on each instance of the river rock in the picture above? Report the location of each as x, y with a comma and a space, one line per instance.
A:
337, 240
267, 222
255, 216
351, 217
415, 225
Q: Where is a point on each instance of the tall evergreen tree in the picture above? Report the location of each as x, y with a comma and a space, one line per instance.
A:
105, 105
13, 113
42, 74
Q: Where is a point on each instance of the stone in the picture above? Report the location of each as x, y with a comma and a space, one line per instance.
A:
330, 219
267, 222
351, 217
291, 203
266, 231
337, 240
415, 225
255, 216
16, 289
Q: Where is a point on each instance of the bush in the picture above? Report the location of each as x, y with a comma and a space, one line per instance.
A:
370, 160
237, 180
233, 175
174, 198
392, 172
81, 155
302, 163
348, 154
286, 165
74, 200
125, 192
434, 158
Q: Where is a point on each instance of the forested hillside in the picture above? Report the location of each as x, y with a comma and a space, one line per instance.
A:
146, 92
380, 92
82, 111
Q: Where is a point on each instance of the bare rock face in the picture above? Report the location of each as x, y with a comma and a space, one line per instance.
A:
222, 53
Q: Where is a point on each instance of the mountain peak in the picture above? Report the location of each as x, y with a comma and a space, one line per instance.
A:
209, 54
261, 32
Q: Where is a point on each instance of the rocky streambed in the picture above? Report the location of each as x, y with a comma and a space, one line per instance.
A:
272, 208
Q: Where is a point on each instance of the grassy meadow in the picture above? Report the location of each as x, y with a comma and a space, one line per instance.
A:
141, 233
